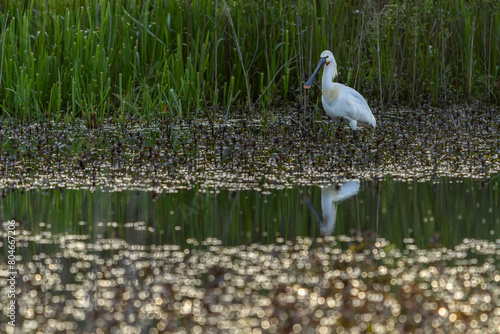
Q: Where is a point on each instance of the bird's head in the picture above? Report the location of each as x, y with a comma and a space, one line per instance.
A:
327, 59
330, 61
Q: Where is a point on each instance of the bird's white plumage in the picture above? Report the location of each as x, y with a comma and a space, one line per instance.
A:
342, 101
348, 104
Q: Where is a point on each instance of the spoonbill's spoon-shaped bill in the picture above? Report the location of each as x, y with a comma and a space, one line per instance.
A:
310, 82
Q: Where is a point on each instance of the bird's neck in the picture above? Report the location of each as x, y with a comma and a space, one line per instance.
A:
329, 73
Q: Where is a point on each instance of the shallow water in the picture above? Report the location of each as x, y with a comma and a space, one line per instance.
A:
420, 257
180, 227
444, 212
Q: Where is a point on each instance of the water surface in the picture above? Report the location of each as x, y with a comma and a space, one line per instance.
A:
445, 212
278, 225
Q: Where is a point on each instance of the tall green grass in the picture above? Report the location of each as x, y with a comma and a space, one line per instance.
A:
68, 59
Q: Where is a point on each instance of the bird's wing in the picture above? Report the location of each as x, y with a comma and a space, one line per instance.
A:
358, 107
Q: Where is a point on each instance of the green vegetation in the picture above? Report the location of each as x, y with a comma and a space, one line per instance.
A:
91, 59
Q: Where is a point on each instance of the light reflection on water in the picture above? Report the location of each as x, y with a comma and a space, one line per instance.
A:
431, 213
208, 262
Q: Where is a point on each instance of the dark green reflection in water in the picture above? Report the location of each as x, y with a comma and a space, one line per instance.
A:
452, 209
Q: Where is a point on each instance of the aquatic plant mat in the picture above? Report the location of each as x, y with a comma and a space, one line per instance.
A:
276, 151
324, 285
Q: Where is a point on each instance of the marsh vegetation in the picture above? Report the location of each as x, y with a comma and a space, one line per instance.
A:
186, 59
165, 171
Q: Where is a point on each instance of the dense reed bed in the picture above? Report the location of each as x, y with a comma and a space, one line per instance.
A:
91, 59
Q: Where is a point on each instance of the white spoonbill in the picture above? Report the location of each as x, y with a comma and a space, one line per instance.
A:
339, 100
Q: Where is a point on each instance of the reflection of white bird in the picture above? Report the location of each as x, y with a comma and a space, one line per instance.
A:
339, 100
330, 196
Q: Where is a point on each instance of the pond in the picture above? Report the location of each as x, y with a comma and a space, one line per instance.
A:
444, 212
361, 256
277, 225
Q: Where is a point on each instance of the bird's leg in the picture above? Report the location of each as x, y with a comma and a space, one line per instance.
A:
354, 133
